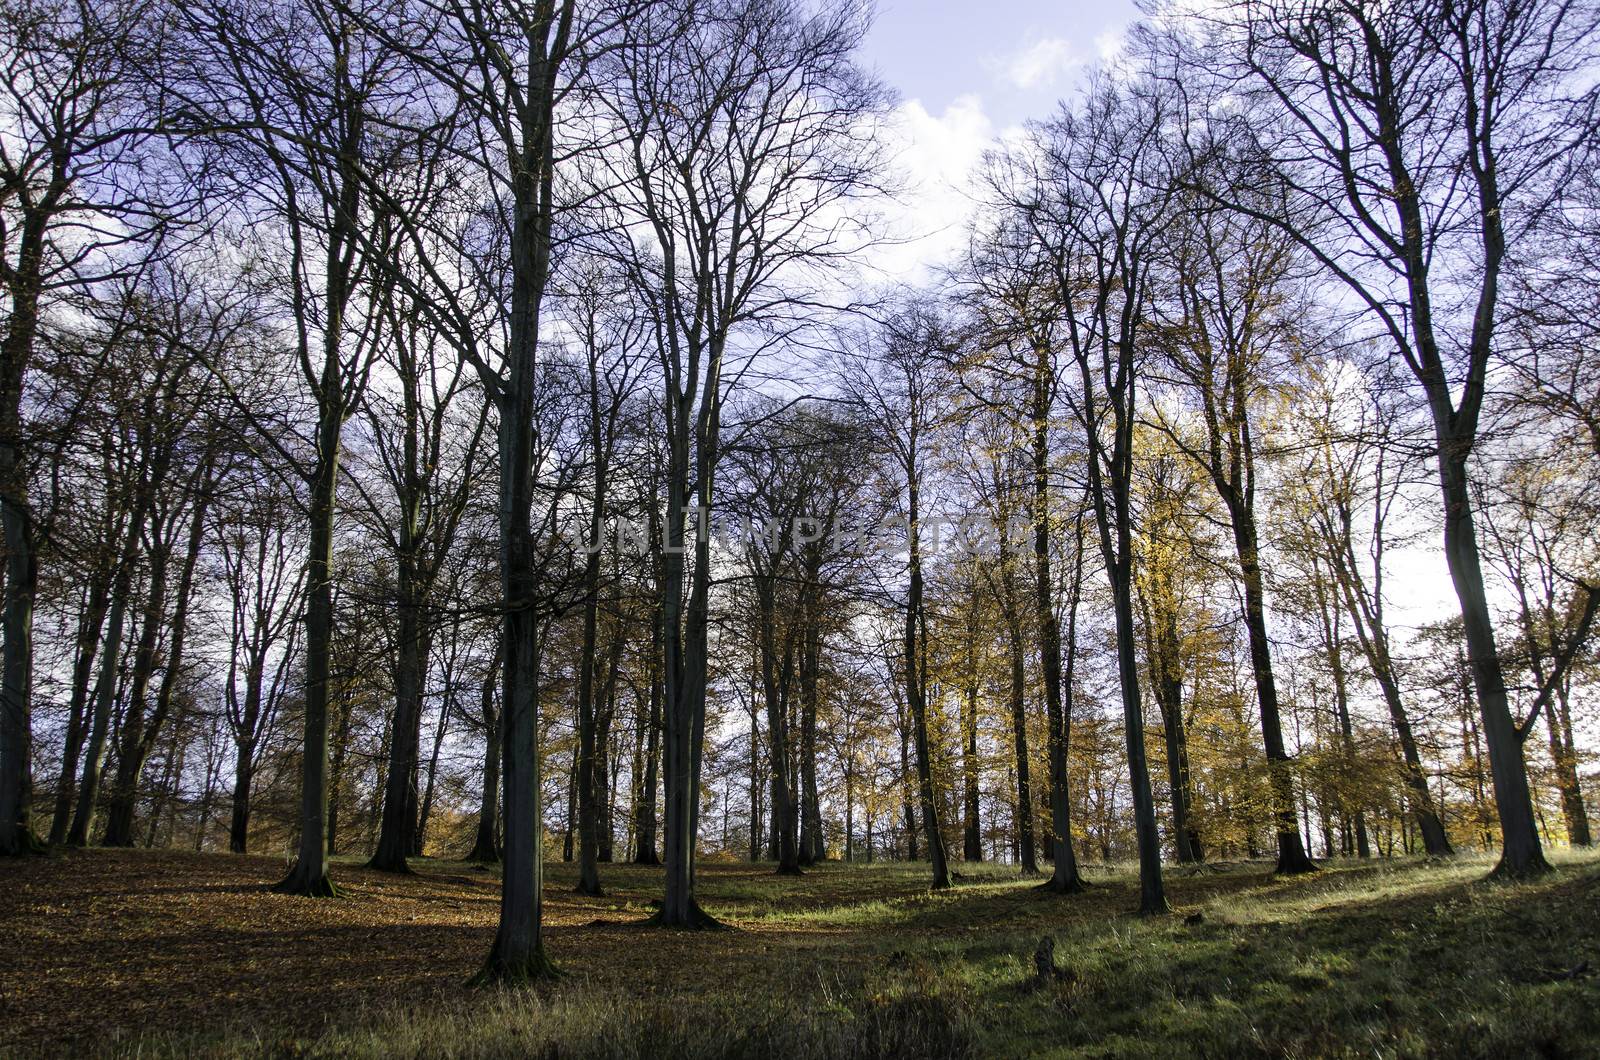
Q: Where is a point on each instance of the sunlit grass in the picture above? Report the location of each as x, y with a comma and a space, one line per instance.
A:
1386, 959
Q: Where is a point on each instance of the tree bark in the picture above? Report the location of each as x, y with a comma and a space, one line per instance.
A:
486, 844
1064, 877
916, 681
91, 621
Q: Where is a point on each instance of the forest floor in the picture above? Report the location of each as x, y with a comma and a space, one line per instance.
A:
155, 953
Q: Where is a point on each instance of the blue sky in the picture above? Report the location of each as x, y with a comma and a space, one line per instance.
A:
967, 75
1016, 58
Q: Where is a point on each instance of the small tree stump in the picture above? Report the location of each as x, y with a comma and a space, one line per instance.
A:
1044, 961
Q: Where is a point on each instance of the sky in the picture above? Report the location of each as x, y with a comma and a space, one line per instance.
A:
1000, 62
968, 75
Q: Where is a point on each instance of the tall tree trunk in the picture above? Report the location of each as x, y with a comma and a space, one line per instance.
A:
684, 639
813, 845
644, 829
398, 825
1019, 737
339, 753
424, 810
309, 876
1161, 623
139, 742
105, 687
917, 688
907, 788
239, 823
91, 621
486, 844
605, 766
16, 521
1064, 878
1341, 702
775, 686
1566, 760
972, 829
587, 773
755, 780
132, 746
1292, 856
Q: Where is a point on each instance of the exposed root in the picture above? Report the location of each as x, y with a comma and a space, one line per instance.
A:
532, 969
698, 920
300, 886
1072, 885
1505, 872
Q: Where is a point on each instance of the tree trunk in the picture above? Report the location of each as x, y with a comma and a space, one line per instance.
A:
972, 830
239, 825
398, 825
1341, 701
813, 846
486, 844
1292, 856
1064, 878
916, 690
1521, 852
309, 876
134, 743
105, 686
1566, 760
587, 779
1163, 654
419, 835
1019, 736
21, 568
775, 685
91, 621
644, 847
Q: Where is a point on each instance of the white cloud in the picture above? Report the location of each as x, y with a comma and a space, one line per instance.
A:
937, 157
1038, 65
1111, 43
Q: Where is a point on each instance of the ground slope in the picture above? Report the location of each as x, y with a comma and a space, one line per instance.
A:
155, 952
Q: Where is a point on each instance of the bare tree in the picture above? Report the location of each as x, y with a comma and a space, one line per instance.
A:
746, 135
1419, 145
900, 389
1096, 204
69, 199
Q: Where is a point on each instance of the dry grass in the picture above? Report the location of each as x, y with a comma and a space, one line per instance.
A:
154, 953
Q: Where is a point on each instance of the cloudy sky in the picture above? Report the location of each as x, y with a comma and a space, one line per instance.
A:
968, 74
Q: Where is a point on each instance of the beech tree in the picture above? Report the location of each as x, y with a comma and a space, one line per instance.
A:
745, 129
1418, 147
1096, 204
71, 204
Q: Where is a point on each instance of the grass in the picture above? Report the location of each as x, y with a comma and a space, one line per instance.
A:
157, 953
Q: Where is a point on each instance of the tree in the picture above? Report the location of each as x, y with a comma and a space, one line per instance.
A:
1167, 546
1228, 318
900, 389
1418, 146
70, 202
430, 455
1096, 203
264, 588
1350, 469
745, 133
609, 331
1019, 308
